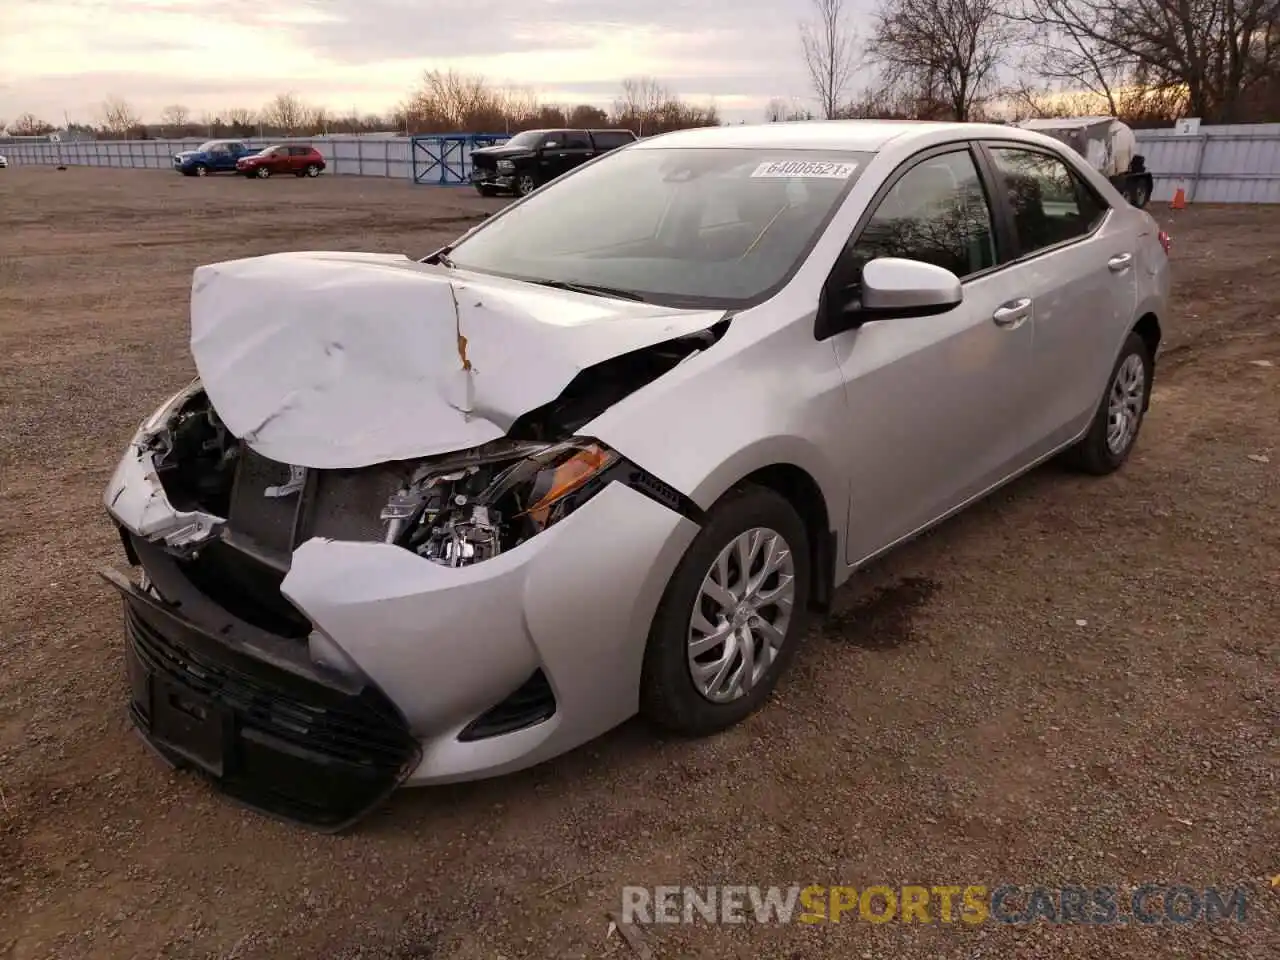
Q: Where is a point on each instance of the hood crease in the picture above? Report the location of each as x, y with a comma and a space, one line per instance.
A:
343, 360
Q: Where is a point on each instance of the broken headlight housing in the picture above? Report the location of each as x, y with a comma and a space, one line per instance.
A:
460, 510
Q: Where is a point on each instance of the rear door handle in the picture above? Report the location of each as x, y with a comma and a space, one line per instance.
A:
1013, 313
1120, 262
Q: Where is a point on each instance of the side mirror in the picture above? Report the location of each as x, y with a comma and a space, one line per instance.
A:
893, 287
887, 287
551, 145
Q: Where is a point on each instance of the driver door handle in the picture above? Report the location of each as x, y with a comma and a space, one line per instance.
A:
1120, 262
1013, 313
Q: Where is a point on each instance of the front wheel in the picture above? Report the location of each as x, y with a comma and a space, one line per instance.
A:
312, 170
731, 617
201, 170
526, 183
1115, 426
262, 173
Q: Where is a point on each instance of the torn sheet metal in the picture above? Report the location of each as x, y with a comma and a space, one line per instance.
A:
339, 360
136, 499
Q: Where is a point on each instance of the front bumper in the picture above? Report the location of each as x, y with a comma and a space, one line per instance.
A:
297, 746
492, 178
485, 669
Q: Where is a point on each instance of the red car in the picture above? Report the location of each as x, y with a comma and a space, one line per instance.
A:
301, 161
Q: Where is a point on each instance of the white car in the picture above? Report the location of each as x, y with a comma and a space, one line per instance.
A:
428, 521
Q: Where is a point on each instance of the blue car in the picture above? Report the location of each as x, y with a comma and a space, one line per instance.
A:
215, 156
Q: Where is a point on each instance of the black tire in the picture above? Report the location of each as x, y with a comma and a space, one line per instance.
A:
1092, 453
668, 697
262, 173
525, 183
199, 170
486, 191
1140, 193
312, 170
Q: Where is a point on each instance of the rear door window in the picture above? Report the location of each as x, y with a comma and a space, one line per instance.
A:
607, 140
1050, 203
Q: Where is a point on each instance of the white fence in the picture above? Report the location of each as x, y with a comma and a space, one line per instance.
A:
356, 156
1238, 163
1233, 163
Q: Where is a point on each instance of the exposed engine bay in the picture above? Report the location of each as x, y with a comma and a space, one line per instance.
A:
454, 509
461, 510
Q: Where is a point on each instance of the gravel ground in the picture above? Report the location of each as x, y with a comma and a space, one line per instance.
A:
1074, 682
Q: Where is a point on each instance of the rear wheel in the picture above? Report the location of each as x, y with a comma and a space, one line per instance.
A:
312, 170
731, 617
1139, 193
486, 191
1115, 426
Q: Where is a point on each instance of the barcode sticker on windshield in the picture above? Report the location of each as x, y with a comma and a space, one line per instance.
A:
828, 169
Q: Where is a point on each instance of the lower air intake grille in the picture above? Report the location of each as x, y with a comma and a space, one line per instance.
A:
533, 703
293, 747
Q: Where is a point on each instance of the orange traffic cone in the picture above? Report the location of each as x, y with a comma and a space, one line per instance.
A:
1179, 200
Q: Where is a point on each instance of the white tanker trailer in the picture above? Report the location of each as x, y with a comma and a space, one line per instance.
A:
1108, 145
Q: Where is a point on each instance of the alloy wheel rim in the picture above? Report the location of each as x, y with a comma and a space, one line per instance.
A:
741, 614
526, 184
1124, 404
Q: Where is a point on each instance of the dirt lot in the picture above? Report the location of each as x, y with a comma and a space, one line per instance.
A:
1076, 682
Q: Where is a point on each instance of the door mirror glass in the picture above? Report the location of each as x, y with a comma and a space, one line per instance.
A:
894, 287
551, 145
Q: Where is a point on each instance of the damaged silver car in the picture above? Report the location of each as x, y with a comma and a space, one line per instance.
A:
421, 521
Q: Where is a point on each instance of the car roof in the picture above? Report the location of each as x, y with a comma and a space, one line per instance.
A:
857, 135
1064, 123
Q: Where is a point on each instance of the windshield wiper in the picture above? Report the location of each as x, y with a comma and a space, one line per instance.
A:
591, 288
441, 257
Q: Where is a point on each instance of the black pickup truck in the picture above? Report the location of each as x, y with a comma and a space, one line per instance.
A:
531, 158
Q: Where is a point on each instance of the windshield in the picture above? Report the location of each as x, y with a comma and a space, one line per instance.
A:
678, 226
529, 138
209, 145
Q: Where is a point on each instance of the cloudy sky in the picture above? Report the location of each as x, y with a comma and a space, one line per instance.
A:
61, 56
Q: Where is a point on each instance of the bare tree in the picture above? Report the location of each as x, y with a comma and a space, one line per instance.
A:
174, 117
286, 113
118, 117
639, 104
945, 50
828, 45
585, 115
1219, 51
778, 109
241, 120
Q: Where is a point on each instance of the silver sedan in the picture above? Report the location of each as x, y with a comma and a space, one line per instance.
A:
420, 521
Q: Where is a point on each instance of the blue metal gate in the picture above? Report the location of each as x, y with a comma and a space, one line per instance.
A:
444, 159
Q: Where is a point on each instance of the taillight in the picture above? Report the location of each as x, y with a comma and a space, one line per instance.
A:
1165, 241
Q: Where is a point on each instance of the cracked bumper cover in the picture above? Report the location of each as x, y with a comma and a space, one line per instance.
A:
431, 646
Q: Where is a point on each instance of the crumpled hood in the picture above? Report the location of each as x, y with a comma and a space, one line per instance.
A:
338, 360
